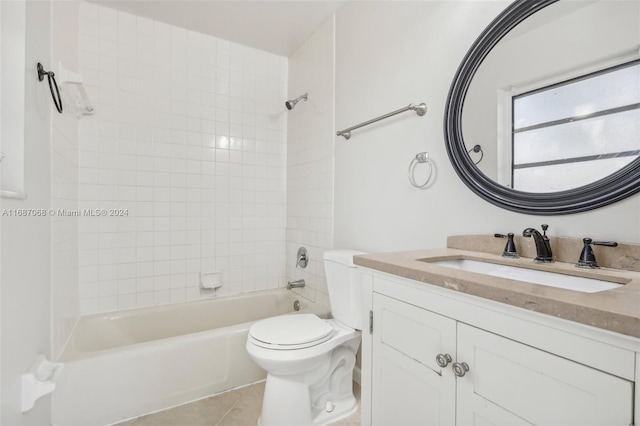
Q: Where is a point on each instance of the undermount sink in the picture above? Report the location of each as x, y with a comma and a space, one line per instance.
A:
551, 279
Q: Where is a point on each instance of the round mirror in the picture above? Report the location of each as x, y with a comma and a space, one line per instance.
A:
543, 115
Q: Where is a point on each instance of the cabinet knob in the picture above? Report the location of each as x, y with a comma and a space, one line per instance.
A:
443, 360
460, 369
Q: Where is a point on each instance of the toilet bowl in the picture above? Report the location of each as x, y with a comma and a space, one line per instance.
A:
309, 360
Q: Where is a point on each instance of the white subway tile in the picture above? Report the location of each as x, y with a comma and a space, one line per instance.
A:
108, 32
162, 297
108, 304
127, 20
162, 31
144, 25
127, 286
127, 301
89, 12
190, 152
108, 16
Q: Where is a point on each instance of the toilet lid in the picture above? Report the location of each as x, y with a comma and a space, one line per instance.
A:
291, 330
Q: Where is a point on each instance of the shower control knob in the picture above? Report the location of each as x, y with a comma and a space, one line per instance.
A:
443, 360
302, 258
460, 369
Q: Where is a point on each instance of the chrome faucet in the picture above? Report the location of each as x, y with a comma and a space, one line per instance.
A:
543, 247
295, 284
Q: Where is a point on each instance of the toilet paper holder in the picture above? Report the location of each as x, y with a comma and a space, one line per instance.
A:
39, 381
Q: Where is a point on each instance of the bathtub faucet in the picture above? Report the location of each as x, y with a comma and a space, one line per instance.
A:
295, 284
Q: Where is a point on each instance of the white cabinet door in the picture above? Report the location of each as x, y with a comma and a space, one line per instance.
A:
512, 383
408, 386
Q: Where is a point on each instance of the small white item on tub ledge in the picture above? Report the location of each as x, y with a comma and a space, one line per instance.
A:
40, 380
211, 280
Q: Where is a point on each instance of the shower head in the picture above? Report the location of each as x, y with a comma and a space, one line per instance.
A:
291, 104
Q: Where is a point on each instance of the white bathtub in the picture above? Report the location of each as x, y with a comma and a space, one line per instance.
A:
124, 364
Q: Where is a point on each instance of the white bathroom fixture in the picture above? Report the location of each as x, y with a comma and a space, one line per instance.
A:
551, 279
292, 103
309, 361
110, 377
420, 110
211, 280
39, 381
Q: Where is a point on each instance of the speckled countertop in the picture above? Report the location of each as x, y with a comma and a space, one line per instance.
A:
616, 310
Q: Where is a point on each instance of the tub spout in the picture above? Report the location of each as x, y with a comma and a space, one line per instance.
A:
295, 284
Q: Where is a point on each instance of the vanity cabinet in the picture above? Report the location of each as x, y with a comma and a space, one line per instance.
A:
409, 388
510, 383
509, 380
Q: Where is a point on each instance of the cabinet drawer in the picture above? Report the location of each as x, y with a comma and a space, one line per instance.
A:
507, 378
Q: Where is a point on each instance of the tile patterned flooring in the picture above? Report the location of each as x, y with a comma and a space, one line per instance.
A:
238, 407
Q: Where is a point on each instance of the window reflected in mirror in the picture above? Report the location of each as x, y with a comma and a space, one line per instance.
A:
562, 134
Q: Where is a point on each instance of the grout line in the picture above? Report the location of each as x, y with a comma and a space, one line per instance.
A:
229, 410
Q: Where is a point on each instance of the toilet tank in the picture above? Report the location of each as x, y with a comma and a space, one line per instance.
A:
345, 286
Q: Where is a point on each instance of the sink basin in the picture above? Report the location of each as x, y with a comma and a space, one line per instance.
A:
551, 279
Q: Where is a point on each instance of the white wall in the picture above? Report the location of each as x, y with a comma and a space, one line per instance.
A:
310, 152
390, 54
189, 136
26, 242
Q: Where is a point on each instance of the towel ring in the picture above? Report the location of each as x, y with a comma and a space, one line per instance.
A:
51, 77
477, 148
420, 158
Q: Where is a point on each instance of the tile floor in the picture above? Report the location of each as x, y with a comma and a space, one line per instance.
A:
239, 407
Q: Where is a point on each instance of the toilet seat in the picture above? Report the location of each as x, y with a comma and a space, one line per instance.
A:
286, 332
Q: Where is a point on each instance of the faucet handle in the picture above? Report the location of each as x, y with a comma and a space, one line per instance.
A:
302, 258
510, 250
587, 257
544, 229
605, 243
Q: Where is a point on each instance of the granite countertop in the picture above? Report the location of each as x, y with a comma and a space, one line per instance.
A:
616, 310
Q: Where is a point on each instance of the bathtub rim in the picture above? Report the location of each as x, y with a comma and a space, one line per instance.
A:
70, 354
123, 313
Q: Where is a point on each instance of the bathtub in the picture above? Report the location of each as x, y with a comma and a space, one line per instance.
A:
124, 364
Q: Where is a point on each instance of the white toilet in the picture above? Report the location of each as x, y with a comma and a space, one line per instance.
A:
310, 360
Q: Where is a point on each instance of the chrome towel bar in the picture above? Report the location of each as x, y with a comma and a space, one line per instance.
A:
420, 109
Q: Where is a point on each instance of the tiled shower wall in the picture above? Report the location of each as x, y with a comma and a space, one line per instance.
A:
189, 142
64, 181
310, 147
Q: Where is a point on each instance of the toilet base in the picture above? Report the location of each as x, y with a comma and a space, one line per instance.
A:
342, 409
319, 396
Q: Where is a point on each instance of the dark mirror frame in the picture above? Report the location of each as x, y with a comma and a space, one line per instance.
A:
621, 184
